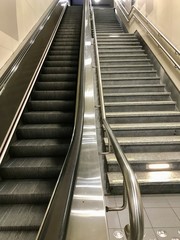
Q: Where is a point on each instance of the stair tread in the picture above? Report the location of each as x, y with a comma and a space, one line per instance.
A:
119, 55
144, 140
127, 71
139, 114
139, 103
116, 178
133, 86
123, 61
127, 65
132, 78
136, 94
136, 126
147, 157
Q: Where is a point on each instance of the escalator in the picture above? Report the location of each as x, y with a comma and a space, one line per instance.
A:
39, 146
139, 109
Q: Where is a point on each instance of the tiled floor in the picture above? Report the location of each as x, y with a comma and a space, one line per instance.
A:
161, 217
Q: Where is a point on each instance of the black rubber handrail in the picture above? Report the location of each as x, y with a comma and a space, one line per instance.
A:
55, 222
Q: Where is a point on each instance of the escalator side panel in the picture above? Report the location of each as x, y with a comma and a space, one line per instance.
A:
36, 156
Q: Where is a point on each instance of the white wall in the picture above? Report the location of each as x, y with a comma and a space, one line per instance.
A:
17, 18
165, 15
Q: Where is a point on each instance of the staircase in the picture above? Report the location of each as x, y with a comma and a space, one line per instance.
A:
41, 141
139, 109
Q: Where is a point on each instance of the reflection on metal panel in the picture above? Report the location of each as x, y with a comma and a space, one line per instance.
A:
87, 217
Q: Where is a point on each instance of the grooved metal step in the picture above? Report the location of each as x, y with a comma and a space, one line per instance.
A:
37, 151
42, 131
39, 148
26, 191
31, 168
48, 117
54, 95
21, 217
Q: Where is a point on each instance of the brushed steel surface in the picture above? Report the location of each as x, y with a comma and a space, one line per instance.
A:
87, 217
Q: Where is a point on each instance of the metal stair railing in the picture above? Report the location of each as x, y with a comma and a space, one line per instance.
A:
132, 196
131, 14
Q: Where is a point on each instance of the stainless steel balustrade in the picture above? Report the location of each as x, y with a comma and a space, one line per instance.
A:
131, 14
134, 230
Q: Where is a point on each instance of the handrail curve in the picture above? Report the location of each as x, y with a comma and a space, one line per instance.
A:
129, 15
134, 230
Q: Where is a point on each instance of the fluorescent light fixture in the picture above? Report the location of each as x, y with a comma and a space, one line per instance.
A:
114, 36
158, 166
97, 1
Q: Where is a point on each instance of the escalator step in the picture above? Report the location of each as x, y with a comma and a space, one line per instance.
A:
51, 105
59, 70
61, 57
42, 131
26, 191
64, 52
34, 168
67, 47
55, 85
60, 63
57, 77
39, 148
20, 235
21, 217
53, 95
48, 117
